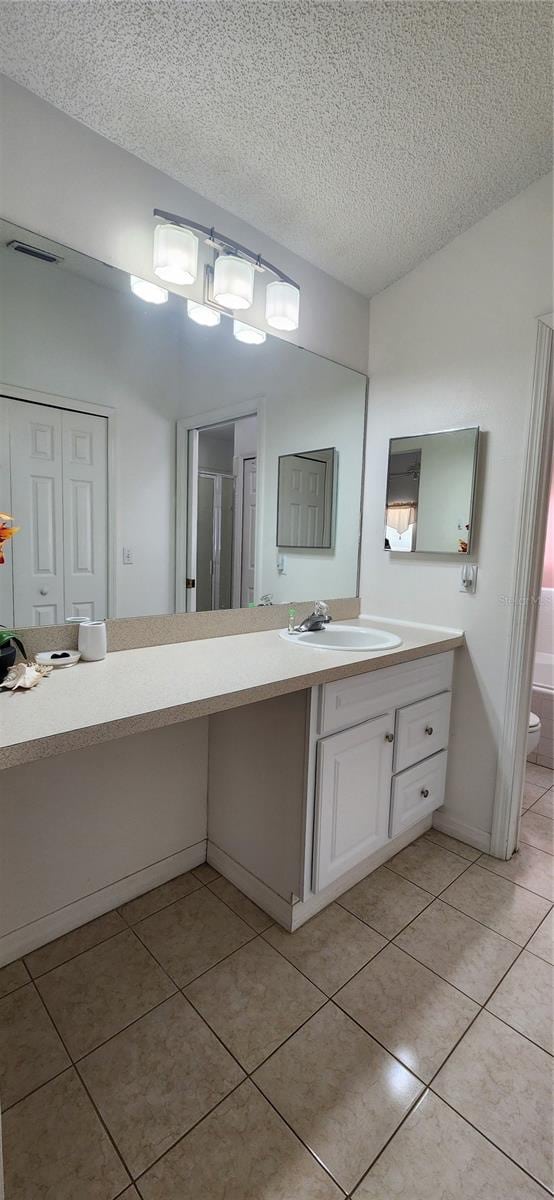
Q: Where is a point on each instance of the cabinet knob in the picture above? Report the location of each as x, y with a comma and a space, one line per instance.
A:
429, 729
389, 737
425, 793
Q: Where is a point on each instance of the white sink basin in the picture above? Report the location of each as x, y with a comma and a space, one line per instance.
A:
344, 637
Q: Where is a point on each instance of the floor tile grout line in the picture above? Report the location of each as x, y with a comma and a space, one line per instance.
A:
372, 1036
311, 1152
483, 1008
72, 1067
6, 1108
406, 1116
259, 932
19, 987
488, 1139
128, 925
498, 875
169, 1150
247, 1073
443, 978
179, 986
328, 995
155, 911
456, 853
401, 930
79, 953
435, 895
489, 927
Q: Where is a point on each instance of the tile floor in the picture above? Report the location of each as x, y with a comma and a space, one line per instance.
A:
397, 1046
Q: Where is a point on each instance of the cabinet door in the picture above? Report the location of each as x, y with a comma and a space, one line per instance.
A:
354, 770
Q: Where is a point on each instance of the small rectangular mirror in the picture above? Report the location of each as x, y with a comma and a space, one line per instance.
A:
430, 492
306, 499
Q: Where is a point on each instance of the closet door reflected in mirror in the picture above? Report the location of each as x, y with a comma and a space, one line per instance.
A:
55, 472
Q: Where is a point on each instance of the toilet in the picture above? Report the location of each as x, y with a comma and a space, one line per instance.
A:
533, 733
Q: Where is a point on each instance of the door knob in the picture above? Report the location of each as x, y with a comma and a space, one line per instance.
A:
389, 737
425, 793
43, 591
429, 729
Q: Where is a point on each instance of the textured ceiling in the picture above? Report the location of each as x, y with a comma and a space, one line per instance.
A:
363, 136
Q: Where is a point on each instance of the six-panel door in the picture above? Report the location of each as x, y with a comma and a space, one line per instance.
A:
354, 771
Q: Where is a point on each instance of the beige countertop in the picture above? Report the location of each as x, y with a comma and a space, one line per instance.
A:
134, 690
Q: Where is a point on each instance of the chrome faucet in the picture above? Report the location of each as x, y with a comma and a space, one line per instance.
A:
316, 620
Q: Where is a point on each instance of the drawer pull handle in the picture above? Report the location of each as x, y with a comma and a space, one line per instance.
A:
389, 737
425, 793
429, 729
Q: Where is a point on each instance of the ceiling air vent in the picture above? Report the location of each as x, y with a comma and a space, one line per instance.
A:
34, 252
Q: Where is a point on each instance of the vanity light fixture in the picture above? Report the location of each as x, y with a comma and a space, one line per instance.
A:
148, 291
282, 305
229, 280
233, 284
202, 313
248, 334
175, 254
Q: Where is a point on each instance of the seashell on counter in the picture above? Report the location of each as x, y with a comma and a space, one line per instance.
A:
24, 676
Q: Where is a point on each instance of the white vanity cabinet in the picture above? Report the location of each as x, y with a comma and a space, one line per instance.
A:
309, 792
376, 778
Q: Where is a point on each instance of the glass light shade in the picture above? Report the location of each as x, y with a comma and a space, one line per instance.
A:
247, 333
175, 254
282, 305
233, 282
148, 291
202, 314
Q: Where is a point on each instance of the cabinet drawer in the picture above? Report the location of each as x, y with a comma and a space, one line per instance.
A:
350, 701
421, 730
416, 792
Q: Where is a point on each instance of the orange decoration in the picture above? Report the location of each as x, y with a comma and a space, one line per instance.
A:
6, 532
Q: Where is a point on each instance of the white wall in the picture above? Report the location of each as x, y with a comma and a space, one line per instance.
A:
85, 831
66, 182
320, 406
452, 344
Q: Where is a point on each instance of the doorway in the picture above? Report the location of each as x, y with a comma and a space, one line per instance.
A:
220, 527
530, 557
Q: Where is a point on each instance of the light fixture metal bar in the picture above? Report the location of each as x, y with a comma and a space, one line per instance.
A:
228, 243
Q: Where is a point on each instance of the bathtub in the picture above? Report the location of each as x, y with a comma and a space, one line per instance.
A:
542, 695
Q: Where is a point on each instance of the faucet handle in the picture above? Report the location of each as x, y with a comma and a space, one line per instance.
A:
321, 609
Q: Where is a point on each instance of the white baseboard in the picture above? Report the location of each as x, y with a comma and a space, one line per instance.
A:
465, 833
292, 915
258, 892
53, 925
304, 909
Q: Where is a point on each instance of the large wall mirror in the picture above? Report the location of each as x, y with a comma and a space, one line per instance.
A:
430, 492
140, 452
